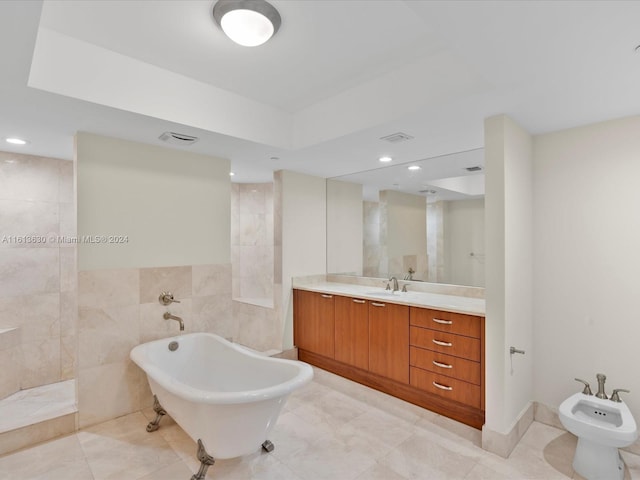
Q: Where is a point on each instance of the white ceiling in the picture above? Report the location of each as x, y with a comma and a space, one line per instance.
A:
336, 77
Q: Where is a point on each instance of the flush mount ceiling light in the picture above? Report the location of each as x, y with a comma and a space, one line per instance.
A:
414, 167
385, 159
247, 22
16, 141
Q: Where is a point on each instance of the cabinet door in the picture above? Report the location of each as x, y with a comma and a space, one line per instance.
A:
389, 340
314, 324
352, 331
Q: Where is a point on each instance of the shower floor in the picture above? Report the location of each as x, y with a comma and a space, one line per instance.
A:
37, 405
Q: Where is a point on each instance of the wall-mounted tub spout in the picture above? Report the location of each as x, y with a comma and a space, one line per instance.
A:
168, 316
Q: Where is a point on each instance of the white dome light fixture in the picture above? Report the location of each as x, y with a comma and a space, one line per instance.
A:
247, 22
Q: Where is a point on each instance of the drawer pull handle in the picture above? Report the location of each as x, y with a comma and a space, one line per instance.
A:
442, 322
441, 387
355, 300
377, 304
327, 296
441, 365
442, 344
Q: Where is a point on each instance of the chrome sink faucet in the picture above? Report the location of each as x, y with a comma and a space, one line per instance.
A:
395, 284
601, 377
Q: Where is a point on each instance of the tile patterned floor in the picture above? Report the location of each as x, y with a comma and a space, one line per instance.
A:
332, 429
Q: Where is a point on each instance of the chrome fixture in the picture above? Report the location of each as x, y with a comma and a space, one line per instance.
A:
587, 388
404, 287
601, 379
513, 350
395, 284
615, 397
409, 275
168, 316
173, 346
247, 22
166, 298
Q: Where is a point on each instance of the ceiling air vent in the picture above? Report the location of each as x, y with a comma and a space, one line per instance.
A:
178, 138
477, 168
397, 137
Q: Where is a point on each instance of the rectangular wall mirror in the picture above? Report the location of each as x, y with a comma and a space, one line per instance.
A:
424, 223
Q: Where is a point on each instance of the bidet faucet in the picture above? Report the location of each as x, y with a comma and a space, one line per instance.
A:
615, 397
587, 388
601, 379
168, 316
395, 284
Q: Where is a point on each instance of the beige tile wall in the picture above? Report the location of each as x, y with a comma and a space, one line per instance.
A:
37, 279
119, 309
252, 241
10, 356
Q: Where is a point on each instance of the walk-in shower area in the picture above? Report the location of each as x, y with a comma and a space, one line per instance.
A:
38, 296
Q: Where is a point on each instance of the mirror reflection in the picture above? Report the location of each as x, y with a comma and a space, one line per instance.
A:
424, 224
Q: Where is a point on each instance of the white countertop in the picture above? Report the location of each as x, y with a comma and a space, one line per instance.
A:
449, 303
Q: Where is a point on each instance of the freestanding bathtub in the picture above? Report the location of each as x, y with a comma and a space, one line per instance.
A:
220, 393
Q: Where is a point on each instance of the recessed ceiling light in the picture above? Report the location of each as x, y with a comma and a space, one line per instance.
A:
16, 141
414, 167
231, 174
247, 22
385, 159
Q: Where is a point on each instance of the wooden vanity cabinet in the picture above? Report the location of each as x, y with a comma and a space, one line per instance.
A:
389, 340
314, 324
352, 331
428, 357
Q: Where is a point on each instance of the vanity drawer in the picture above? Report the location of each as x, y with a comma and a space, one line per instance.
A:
448, 343
446, 387
448, 365
458, 323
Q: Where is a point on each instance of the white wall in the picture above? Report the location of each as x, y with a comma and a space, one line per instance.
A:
464, 235
508, 292
587, 259
300, 236
173, 206
344, 227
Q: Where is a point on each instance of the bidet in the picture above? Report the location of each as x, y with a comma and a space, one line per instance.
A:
602, 426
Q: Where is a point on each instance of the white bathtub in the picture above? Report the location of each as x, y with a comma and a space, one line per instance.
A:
219, 392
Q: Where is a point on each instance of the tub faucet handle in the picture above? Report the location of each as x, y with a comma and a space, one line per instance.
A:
615, 397
587, 388
166, 298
